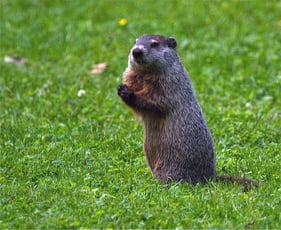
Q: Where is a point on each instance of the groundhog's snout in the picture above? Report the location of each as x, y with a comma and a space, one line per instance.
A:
138, 54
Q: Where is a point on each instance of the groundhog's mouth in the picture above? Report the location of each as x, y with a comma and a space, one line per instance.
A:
140, 61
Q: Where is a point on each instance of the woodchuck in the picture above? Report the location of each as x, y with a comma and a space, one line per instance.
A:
156, 86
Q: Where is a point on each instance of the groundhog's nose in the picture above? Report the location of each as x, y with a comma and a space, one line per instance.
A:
137, 53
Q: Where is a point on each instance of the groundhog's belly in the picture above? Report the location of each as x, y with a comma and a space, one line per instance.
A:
175, 153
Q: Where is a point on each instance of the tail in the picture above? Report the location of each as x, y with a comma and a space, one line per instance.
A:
245, 182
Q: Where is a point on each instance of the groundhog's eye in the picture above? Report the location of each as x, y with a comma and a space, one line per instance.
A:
154, 44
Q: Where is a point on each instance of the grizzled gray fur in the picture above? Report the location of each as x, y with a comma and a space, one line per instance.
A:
156, 86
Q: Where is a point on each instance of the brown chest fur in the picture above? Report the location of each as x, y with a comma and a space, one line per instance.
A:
141, 84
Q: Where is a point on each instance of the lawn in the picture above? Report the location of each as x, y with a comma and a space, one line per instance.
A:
71, 152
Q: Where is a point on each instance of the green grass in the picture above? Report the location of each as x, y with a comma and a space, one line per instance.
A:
77, 162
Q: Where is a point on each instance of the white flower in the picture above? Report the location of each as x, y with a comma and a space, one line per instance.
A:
248, 105
81, 92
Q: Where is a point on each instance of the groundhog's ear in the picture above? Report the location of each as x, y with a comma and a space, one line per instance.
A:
171, 42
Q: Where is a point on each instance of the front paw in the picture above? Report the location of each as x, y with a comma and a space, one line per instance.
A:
125, 93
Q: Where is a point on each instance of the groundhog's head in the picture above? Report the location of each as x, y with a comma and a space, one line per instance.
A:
153, 53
